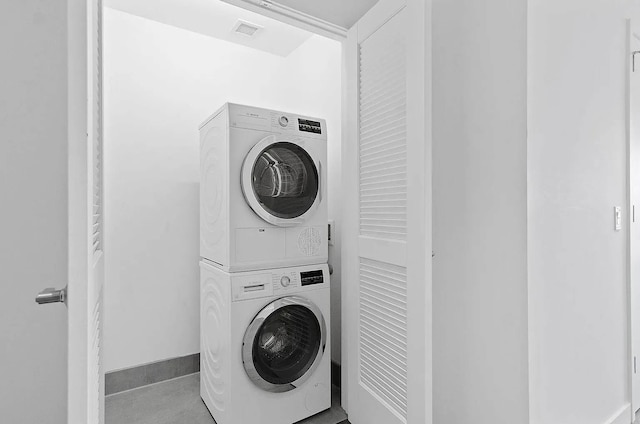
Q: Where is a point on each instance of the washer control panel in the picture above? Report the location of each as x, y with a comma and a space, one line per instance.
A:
281, 282
295, 280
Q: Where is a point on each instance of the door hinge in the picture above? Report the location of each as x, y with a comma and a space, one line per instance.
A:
635, 366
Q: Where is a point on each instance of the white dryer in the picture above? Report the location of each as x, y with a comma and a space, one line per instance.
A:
263, 189
265, 354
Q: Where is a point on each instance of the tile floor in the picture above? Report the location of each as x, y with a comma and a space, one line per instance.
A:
178, 401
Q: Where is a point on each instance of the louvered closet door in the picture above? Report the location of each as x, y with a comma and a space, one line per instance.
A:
86, 211
96, 253
388, 280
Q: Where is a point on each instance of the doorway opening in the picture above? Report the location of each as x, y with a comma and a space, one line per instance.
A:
167, 67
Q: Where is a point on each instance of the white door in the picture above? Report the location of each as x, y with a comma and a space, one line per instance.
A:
50, 182
634, 216
387, 250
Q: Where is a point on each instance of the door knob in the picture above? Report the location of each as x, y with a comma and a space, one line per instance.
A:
52, 295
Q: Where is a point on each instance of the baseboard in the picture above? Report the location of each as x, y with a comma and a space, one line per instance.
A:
155, 372
621, 417
336, 376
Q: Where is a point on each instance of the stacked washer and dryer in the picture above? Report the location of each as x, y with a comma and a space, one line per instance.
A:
264, 285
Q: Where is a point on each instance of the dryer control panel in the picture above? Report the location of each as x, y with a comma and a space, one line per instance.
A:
286, 123
254, 118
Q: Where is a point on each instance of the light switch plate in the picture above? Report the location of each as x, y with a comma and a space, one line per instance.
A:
617, 216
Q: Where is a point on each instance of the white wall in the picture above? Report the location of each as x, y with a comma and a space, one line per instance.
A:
480, 213
576, 161
161, 82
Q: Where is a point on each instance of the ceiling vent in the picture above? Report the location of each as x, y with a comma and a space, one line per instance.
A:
246, 28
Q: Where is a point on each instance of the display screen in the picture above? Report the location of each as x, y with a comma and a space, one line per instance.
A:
311, 277
309, 126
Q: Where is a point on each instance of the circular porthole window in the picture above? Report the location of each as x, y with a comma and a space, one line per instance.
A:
280, 182
284, 344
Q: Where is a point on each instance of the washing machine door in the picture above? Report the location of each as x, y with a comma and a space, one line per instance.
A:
281, 181
284, 344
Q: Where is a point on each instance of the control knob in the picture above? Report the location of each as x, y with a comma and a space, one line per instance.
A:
285, 281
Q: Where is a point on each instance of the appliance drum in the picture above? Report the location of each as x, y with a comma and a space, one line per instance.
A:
281, 181
284, 344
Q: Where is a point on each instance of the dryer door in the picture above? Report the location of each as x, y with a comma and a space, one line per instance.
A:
281, 181
284, 344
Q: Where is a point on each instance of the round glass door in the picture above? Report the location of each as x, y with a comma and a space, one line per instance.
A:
282, 183
284, 344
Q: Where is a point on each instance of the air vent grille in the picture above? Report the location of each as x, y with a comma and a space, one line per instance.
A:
246, 28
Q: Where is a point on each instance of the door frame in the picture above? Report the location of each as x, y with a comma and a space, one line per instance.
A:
79, 23
85, 384
419, 111
633, 278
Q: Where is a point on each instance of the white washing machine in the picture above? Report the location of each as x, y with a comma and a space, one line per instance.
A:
265, 354
263, 189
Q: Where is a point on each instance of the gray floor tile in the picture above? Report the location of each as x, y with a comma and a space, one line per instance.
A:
171, 402
178, 402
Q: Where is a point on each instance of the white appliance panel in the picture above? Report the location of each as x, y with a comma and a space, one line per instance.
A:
225, 385
233, 236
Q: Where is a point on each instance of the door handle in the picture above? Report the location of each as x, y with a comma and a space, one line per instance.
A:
51, 295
